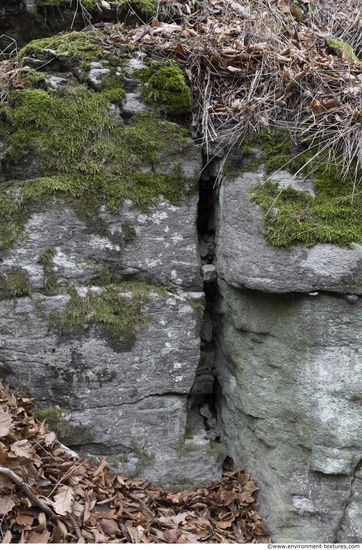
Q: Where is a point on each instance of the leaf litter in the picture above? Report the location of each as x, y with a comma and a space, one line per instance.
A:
261, 65
80, 504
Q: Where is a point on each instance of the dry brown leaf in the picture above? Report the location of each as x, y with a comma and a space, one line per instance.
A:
23, 518
225, 524
6, 504
100, 468
63, 500
7, 537
109, 526
258, 529
6, 424
39, 538
42, 519
234, 69
134, 534
171, 535
166, 521
23, 448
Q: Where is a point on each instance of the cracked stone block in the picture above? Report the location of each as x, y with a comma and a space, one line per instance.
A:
246, 260
290, 373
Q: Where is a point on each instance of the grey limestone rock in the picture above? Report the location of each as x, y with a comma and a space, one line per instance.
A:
209, 273
122, 394
133, 104
245, 260
289, 368
158, 247
95, 75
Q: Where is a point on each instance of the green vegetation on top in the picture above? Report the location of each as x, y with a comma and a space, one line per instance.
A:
292, 217
84, 155
81, 47
164, 83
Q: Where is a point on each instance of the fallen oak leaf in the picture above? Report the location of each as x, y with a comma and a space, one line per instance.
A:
110, 527
23, 448
100, 468
63, 500
6, 424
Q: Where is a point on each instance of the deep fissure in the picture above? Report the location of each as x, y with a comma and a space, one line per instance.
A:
204, 404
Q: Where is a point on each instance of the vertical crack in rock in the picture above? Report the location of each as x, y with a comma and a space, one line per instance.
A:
202, 409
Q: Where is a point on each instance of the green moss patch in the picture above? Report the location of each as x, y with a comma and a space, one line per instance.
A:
293, 217
147, 7
80, 47
337, 47
119, 310
14, 284
45, 259
165, 84
49, 414
67, 434
84, 158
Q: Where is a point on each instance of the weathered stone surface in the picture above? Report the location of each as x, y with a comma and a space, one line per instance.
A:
122, 394
245, 260
289, 368
209, 273
159, 247
128, 394
351, 530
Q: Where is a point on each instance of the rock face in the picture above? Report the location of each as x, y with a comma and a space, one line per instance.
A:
101, 303
289, 367
121, 297
245, 260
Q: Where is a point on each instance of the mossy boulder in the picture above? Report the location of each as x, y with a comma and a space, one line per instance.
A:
281, 232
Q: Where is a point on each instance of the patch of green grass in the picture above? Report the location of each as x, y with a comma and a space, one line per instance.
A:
14, 284
165, 84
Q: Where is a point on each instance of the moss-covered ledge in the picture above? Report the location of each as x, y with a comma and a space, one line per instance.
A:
332, 216
83, 155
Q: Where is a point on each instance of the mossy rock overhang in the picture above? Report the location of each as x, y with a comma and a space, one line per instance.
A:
289, 240
78, 151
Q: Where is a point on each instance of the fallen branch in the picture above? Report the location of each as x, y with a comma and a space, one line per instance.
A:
21, 483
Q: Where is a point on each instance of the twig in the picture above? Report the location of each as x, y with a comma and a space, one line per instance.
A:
21, 483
